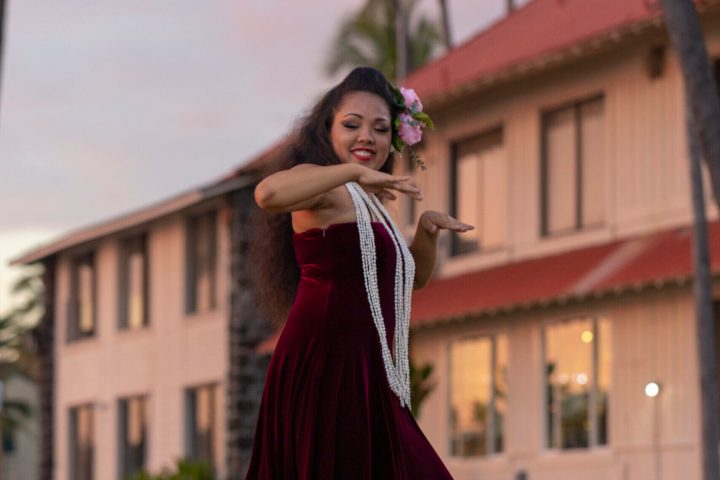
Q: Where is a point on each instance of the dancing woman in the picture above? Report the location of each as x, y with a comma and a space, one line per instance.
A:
335, 268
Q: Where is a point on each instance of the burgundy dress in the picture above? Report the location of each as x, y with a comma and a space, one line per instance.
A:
327, 411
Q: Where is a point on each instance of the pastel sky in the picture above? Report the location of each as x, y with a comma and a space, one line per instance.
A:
108, 106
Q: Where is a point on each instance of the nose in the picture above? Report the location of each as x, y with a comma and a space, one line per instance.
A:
365, 136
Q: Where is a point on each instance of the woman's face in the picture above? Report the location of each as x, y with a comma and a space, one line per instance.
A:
361, 130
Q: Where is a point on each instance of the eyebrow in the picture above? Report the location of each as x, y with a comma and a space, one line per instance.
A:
360, 116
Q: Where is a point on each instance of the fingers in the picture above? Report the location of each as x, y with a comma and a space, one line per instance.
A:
435, 221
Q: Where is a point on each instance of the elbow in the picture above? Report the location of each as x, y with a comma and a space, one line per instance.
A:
420, 283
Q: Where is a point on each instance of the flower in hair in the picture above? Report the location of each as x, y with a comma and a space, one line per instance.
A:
409, 122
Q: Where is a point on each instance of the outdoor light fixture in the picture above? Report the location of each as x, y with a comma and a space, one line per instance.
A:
652, 389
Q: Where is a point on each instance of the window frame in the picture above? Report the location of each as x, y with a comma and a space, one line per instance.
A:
593, 410
73, 446
190, 430
576, 105
122, 414
455, 251
125, 249
490, 432
73, 332
191, 291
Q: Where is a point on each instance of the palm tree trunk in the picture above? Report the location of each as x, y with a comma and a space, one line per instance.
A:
401, 47
704, 316
686, 35
445, 15
703, 132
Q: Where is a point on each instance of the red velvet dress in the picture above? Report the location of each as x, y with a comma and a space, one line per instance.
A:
327, 411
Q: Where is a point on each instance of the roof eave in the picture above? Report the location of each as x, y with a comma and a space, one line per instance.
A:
133, 219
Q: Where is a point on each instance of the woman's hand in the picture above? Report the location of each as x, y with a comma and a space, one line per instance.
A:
383, 183
432, 222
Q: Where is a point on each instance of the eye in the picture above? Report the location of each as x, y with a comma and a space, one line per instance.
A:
382, 129
351, 126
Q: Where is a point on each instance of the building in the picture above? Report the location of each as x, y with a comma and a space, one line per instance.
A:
141, 314
561, 137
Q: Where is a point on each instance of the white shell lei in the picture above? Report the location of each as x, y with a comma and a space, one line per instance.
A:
397, 369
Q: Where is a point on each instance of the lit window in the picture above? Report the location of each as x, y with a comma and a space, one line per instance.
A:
577, 367
478, 395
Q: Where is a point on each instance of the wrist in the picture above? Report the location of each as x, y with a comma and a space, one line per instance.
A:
354, 171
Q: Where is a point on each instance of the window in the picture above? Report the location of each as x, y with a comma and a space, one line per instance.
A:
577, 368
81, 446
132, 423
201, 262
478, 395
478, 192
202, 426
573, 180
82, 306
133, 283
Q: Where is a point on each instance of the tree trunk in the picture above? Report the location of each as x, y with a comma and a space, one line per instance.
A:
704, 313
445, 15
401, 47
703, 136
686, 35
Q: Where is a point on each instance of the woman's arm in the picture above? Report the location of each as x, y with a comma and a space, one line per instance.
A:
303, 186
424, 245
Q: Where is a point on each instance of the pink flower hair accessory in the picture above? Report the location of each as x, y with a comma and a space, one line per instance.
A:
409, 122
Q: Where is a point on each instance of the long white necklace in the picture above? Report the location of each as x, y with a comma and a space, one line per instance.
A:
397, 369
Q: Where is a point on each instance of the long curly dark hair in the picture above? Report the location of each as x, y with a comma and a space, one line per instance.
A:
271, 251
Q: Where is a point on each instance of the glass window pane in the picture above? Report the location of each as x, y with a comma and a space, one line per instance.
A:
202, 268
593, 161
501, 391
560, 156
470, 380
493, 191
86, 278
81, 443
480, 191
133, 434
203, 428
569, 356
468, 176
604, 342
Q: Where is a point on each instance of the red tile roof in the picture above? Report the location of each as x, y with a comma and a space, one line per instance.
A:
538, 29
634, 263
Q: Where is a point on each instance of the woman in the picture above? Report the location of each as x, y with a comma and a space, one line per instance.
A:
336, 403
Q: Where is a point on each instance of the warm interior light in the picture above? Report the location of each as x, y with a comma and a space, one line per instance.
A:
652, 389
586, 336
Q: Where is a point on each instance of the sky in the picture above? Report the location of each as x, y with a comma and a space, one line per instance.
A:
106, 107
